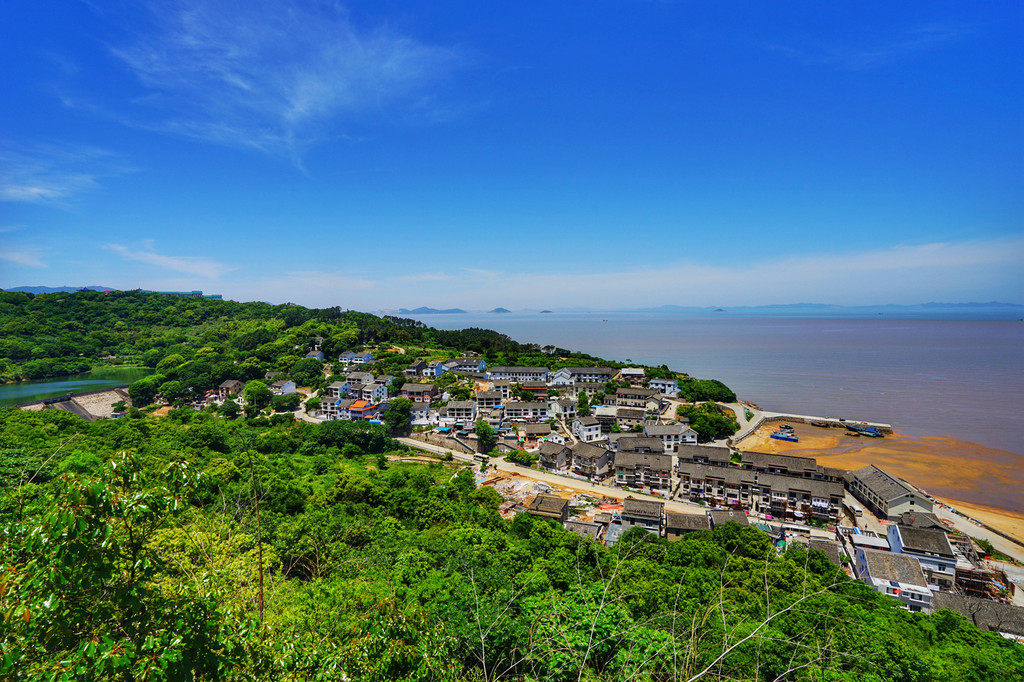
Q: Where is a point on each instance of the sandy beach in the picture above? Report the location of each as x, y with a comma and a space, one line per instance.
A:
982, 482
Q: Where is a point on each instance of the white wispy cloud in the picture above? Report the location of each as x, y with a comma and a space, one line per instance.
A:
876, 50
427, 277
27, 257
54, 173
952, 271
191, 265
275, 75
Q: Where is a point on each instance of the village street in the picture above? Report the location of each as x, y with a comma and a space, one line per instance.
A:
581, 486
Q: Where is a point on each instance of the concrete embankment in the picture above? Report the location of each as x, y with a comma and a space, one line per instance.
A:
761, 418
89, 405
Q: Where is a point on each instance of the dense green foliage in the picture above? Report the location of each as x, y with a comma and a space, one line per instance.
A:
131, 553
709, 420
195, 343
134, 548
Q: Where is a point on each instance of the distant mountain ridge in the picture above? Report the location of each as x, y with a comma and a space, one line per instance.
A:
54, 290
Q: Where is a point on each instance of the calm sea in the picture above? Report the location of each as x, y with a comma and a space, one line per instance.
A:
956, 378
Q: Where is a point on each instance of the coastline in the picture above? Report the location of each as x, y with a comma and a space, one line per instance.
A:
981, 482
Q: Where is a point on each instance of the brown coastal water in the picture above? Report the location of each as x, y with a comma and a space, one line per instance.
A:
945, 467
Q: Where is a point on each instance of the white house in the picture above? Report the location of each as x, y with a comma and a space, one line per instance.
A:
667, 387
587, 429
896, 575
521, 411
672, 435
573, 375
932, 550
518, 374
563, 409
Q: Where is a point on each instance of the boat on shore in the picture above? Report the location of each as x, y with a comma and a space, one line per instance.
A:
786, 436
864, 430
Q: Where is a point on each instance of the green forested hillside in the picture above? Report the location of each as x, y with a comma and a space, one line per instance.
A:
131, 552
199, 342
132, 547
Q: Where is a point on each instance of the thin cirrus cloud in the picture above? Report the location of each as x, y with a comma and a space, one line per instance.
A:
274, 75
54, 173
189, 265
976, 269
876, 51
26, 257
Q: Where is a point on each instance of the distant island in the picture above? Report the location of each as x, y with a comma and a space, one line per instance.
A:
423, 310
501, 310
544, 311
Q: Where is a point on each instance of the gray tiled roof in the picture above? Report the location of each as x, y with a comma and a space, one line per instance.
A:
720, 516
636, 392
549, 448
886, 486
502, 369
898, 567
634, 443
630, 460
829, 548
924, 540
587, 530
551, 504
712, 453
988, 615
923, 520
488, 395
589, 421
773, 461
658, 430
525, 406
642, 508
677, 521
588, 451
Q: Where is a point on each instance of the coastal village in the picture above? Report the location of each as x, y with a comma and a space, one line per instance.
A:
603, 450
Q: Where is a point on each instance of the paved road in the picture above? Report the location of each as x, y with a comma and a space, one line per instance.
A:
965, 526
558, 481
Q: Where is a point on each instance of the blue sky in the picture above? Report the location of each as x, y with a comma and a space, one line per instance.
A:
598, 153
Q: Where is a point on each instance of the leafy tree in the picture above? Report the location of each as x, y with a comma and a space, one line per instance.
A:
398, 415
286, 403
486, 436
709, 421
461, 393
257, 394
143, 391
174, 391
307, 372
521, 457
85, 565
229, 408
170, 362
582, 404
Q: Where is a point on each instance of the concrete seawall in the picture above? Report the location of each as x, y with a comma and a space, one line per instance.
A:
89, 405
775, 417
